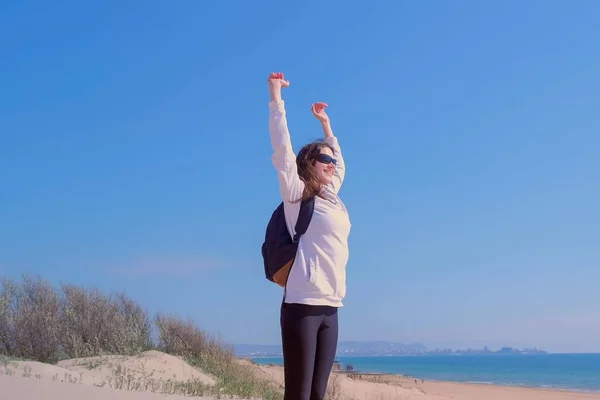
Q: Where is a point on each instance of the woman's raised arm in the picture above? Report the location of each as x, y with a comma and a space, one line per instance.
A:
318, 110
284, 159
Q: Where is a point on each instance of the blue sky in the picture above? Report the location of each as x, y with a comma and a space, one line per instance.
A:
134, 155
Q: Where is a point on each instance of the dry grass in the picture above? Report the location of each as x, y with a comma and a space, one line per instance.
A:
125, 379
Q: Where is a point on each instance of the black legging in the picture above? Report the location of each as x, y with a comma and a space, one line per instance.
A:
309, 337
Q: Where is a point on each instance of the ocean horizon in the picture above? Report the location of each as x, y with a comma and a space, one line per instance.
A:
576, 372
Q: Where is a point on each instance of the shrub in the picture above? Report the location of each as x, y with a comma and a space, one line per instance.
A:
8, 296
30, 316
40, 323
183, 338
179, 337
93, 324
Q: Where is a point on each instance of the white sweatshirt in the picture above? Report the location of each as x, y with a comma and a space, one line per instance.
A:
318, 275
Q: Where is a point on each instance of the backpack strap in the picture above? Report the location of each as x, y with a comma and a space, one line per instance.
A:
304, 216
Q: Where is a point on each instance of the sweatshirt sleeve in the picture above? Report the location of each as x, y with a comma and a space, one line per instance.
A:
340, 168
284, 159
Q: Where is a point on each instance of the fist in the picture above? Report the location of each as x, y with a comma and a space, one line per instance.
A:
318, 110
276, 81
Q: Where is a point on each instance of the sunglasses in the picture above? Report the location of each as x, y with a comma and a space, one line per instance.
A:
326, 159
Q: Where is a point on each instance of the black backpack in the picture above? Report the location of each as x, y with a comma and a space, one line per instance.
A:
279, 249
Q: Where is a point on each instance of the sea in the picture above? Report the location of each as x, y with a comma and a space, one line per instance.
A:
577, 372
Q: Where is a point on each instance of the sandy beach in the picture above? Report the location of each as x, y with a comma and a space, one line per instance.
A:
155, 375
394, 387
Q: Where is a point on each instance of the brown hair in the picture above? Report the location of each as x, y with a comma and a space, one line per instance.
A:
305, 162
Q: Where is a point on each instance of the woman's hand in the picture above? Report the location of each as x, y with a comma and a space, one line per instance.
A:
276, 82
318, 110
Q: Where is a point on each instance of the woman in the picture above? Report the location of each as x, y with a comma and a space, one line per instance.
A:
316, 284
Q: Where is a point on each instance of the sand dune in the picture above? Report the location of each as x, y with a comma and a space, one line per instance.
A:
150, 365
151, 371
21, 388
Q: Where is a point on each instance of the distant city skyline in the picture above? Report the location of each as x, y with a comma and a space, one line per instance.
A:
383, 348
